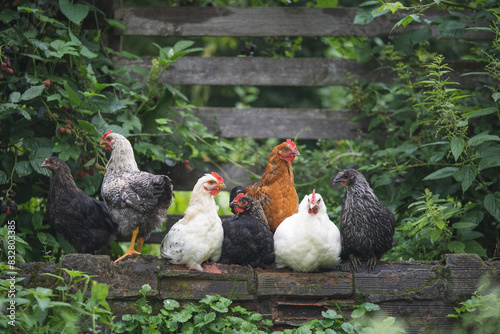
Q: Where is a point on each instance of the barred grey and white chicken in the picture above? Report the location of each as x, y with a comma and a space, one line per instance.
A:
198, 236
137, 201
308, 240
366, 225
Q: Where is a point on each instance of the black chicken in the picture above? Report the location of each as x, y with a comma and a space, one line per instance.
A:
232, 195
366, 225
247, 237
82, 220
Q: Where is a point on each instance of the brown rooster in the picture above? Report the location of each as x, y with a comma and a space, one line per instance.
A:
276, 191
137, 201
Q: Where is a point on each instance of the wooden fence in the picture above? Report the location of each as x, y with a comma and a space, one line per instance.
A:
283, 122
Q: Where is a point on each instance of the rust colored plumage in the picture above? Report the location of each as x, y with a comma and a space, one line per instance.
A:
276, 190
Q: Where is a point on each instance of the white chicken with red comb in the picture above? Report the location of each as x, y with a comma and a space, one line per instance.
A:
198, 236
308, 240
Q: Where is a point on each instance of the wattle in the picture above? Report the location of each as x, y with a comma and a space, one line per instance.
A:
238, 209
215, 191
290, 158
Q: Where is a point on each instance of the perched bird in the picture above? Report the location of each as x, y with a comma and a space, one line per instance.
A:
198, 236
232, 195
366, 225
247, 238
276, 191
82, 220
308, 240
137, 201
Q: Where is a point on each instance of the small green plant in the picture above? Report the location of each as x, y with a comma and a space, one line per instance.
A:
479, 314
65, 309
212, 315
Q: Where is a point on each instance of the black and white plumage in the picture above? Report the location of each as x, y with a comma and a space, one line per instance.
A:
198, 236
308, 240
137, 201
81, 219
247, 237
366, 225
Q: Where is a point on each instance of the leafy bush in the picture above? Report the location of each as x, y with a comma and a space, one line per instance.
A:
61, 91
479, 314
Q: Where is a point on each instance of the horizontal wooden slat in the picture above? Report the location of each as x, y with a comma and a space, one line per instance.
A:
280, 123
262, 21
263, 71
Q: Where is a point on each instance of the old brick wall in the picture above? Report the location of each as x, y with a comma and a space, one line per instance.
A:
421, 293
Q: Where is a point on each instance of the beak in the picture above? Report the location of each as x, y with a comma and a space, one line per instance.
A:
44, 165
102, 142
296, 152
222, 185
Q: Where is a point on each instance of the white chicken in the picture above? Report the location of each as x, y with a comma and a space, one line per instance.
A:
198, 236
308, 240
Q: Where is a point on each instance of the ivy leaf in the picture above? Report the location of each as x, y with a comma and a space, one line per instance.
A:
451, 28
15, 97
359, 312
32, 92
469, 173
3, 177
442, 173
37, 157
23, 168
456, 247
73, 97
481, 138
107, 104
74, 12
490, 157
492, 204
457, 147
89, 128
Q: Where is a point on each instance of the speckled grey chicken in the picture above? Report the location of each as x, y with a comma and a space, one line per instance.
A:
366, 225
247, 237
81, 219
137, 201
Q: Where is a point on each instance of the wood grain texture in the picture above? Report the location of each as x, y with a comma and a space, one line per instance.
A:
280, 123
262, 21
292, 72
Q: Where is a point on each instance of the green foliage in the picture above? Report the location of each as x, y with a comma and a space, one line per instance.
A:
64, 92
65, 309
479, 314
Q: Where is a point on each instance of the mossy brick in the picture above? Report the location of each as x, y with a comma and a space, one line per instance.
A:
407, 280
332, 284
235, 282
466, 272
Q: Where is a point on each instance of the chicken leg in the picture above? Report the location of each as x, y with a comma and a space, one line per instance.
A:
131, 249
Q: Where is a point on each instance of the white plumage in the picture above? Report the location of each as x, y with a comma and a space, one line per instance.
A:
198, 236
308, 240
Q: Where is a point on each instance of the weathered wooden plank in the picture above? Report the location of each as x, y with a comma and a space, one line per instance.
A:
263, 71
261, 21
280, 123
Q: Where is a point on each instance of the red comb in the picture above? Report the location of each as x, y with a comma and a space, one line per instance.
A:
217, 176
106, 134
240, 195
313, 198
292, 144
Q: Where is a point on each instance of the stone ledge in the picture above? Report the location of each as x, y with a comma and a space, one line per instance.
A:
422, 293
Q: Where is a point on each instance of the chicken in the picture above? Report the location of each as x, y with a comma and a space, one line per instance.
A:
198, 236
308, 240
81, 219
366, 225
137, 201
276, 191
247, 238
